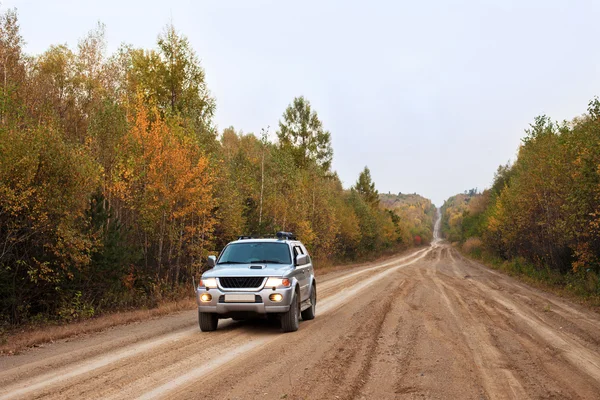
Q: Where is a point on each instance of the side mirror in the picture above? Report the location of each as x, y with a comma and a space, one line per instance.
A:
301, 259
212, 261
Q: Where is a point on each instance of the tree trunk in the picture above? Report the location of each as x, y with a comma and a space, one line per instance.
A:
177, 260
262, 178
262, 188
160, 242
202, 236
4, 91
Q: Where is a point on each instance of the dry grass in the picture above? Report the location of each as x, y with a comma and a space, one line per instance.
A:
473, 244
17, 341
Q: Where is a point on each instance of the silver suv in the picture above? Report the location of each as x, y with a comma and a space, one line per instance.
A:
273, 278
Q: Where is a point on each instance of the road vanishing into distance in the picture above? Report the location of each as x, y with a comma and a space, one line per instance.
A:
426, 324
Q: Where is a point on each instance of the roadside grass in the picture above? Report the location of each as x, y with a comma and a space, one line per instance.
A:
582, 287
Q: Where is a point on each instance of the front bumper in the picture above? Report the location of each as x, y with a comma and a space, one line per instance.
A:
261, 305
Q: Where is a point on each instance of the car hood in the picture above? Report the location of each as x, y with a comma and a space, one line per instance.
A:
245, 270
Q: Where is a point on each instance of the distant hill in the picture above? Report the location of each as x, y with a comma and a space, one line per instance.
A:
456, 208
393, 201
416, 213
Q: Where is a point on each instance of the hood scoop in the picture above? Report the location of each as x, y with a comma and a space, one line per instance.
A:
257, 266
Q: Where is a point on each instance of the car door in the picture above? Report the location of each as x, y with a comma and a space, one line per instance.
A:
303, 272
310, 271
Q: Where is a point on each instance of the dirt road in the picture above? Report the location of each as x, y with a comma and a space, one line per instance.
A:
430, 324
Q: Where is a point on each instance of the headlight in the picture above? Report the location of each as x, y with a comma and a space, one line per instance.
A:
208, 283
205, 297
278, 282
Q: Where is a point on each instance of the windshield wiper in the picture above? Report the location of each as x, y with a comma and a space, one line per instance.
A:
268, 262
231, 262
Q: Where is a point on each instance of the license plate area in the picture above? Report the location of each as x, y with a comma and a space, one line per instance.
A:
239, 298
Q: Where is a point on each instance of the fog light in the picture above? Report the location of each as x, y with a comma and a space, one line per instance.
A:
276, 297
205, 297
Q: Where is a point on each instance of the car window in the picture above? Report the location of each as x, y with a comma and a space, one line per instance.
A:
305, 252
256, 252
297, 251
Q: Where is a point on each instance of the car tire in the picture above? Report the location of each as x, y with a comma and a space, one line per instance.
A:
309, 313
290, 319
208, 321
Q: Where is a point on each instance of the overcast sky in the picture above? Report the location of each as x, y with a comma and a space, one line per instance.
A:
431, 95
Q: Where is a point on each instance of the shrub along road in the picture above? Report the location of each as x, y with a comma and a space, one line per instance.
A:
428, 324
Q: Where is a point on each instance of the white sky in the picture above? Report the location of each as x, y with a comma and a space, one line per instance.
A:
431, 95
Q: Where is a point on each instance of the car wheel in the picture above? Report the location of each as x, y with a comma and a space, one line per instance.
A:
208, 321
290, 319
309, 313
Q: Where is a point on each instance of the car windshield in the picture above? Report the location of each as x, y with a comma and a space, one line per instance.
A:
256, 252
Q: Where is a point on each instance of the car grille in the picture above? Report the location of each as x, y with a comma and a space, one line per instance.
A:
241, 282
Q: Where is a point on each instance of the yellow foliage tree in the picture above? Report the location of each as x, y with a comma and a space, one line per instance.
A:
167, 182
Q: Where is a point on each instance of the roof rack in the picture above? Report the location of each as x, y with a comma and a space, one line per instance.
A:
254, 237
279, 235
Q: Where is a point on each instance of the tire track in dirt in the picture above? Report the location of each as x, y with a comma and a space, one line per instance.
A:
96, 363
373, 346
492, 366
393, 350
333, 286
328, 361
111, 382
532, 296
524, 337
523, 352
349, 364
71, 351
541, 322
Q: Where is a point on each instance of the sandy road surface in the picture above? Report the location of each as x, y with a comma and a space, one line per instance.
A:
429, 324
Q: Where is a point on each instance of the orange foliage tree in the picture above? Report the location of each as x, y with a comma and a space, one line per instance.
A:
165, 180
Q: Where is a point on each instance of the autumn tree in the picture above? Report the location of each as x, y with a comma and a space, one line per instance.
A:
183, 78
166, 180
53, 86
366, 188
45, 187
233, 186
301, 131
172, 78
12, 67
